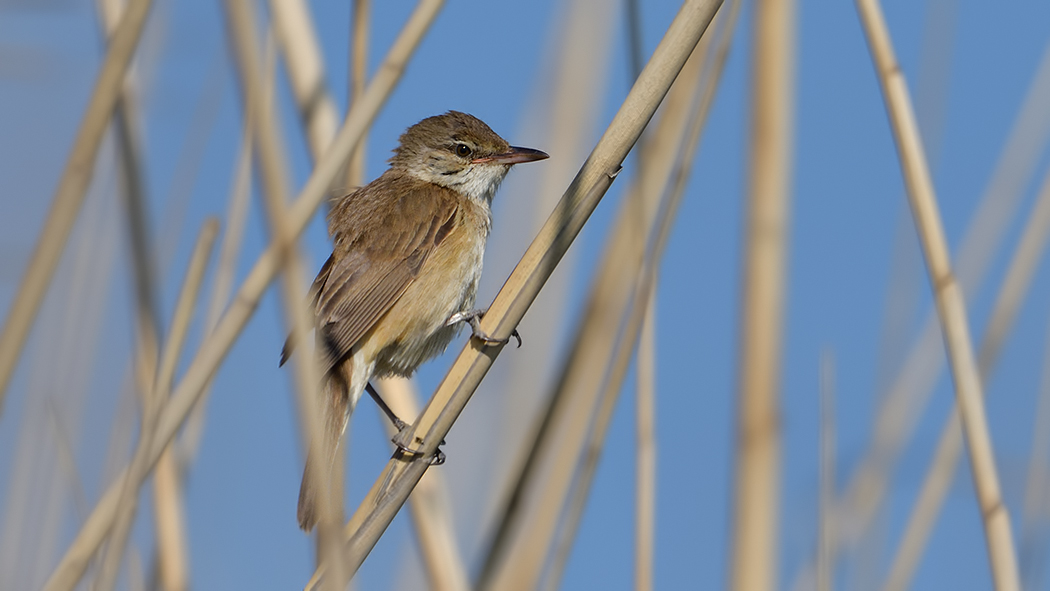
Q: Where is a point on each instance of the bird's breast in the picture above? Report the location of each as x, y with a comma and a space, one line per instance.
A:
416, 327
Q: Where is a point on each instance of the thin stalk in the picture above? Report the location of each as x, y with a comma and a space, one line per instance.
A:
574, 77
524, 284
544, 478
645, 426
214, 349
667, 188
153, 402
273, 167
222, 282
355, 168
942, 468
306, 72
910, 390
72, 185
167, 506
1033, 517
948, 297
754, 564
825, 564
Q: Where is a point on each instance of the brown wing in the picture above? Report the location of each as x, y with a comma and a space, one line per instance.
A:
381, 247
315, 292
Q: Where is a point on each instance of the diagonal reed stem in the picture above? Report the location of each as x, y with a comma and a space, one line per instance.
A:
942, 467
71, 188
153, 402
948, 297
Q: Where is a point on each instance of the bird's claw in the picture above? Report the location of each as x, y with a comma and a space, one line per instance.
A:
436, 459
473, 318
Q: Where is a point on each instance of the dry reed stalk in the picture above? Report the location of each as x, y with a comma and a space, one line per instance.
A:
645, 395
133, 193
273, 168
668, 185
306, 72
222, 282
153, 402
825, 562
397, 480
609, 285
1034, 514
948, 297
35, 502
757, 488
544, 478
575, 77
645, 425
429, 503
942, 467
355, 169
72, 185
171, 542
910, 390
213, 350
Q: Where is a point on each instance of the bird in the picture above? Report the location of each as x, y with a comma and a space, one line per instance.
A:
404, 270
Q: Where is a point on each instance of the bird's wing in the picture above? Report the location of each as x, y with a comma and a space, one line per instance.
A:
378, 261
311, 298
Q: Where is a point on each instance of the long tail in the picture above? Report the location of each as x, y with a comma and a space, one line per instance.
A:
336, 412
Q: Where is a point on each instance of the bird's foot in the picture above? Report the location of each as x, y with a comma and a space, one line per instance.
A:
473, 318
436, 459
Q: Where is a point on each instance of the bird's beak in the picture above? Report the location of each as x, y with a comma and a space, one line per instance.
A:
514, 155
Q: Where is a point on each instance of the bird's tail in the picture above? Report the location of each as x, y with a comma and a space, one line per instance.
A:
336, 412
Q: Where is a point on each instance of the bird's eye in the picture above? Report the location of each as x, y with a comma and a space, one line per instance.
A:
463, 150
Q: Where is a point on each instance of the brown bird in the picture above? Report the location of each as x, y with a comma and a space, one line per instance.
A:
405, 266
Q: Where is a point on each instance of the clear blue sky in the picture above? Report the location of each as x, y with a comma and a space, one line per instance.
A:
486, 59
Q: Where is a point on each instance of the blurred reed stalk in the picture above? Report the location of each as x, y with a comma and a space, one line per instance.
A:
257, 89
825, 562
214, 348
941, 473
69, 195
167, 506
1034, 518
561, 118
756, 495
34, 507
645, 395
645, 433
397, 480
306, 72
948, 297
153, 402
911, 388
545, 479
222, 282
355, 168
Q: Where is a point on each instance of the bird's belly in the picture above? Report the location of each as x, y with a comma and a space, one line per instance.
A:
416, 327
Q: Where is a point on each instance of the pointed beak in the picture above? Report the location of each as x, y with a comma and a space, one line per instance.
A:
514, 155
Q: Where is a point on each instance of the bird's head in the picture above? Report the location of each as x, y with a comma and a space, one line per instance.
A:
460, 152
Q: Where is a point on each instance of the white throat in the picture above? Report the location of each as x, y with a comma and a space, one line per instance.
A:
479, 182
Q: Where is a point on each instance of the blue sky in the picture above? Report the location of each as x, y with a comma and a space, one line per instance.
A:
848, 209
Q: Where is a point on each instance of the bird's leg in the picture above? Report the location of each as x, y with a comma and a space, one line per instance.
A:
401, 426
398, 423
472, 318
